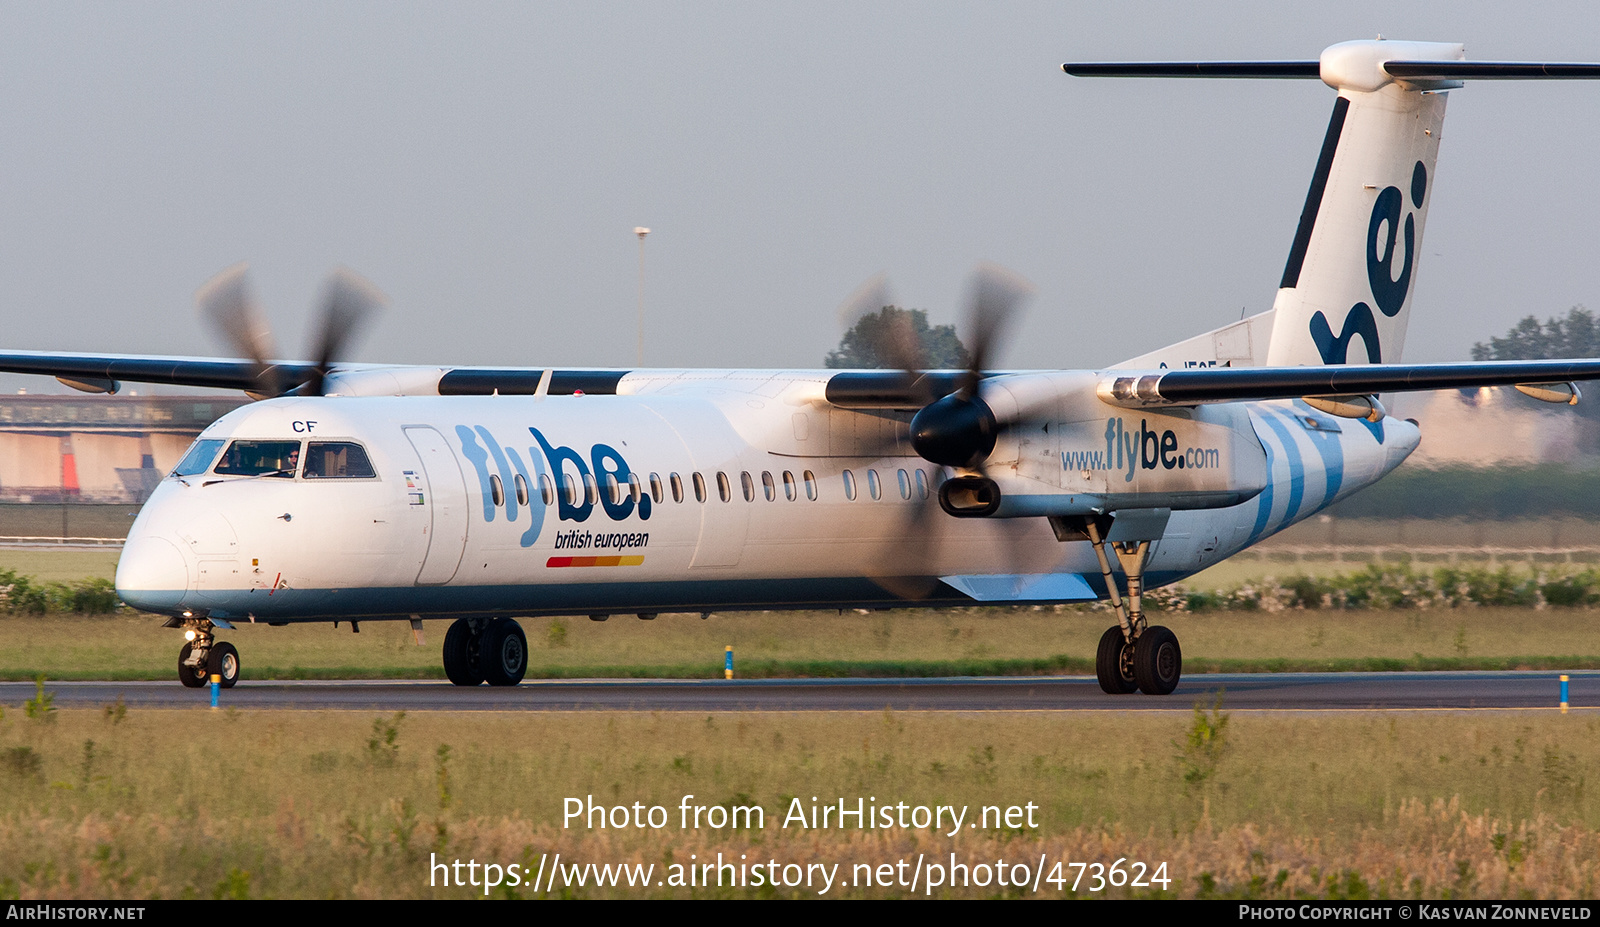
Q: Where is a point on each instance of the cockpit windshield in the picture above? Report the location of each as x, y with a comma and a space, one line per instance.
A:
260, 458
199, 458
338, 460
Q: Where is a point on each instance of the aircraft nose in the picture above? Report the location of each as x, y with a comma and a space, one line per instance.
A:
152, 574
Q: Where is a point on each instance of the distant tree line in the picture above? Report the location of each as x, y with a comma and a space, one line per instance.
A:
859, 346
1576, 334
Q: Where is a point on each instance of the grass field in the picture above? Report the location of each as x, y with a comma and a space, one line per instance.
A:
132, 803
102, 804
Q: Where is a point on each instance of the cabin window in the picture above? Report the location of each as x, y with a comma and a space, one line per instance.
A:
261, 458
748, 485
612, 489
496, 491
788, 486
677, 487
768, 487
522, 489
874, 487
655, 487
699, 488
547, 490
338, 460
905, 484
724, 488
591, 492
811, 485
922, 485
849, 486
202, 454
633, 487
569, 488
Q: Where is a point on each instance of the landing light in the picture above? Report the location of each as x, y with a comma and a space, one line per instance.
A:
189, 634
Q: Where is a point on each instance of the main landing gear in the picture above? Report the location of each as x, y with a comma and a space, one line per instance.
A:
478, 650
204, 656
1132, 655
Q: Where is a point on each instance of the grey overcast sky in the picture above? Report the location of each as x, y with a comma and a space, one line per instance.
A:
486, 163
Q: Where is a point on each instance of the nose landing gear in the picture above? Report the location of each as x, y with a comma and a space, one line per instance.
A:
204, 656
478, 650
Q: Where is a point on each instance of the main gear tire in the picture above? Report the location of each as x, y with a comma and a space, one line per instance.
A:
223, 662
1157, 661
504, 652
1112, 665
463, 662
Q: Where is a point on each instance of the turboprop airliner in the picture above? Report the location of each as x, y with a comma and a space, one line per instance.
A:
354, 493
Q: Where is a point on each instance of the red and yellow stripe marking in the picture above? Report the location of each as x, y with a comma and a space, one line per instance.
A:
630, 560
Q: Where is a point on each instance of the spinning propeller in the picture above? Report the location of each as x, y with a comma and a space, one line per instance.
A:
228, 303
957, 430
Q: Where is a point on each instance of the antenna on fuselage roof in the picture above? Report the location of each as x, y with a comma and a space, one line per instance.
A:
1346, 290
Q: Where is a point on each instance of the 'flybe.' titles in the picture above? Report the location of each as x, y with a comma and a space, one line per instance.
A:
1129, 451
580, 484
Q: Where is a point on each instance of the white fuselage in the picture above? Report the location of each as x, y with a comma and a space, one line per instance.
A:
518, 505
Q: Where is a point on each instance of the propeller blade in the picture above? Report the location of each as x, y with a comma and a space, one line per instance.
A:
916, 545
871, 296
227, 302
996, 295
349, 301
893, 339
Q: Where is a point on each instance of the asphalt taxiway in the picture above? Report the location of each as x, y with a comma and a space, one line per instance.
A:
1286, 691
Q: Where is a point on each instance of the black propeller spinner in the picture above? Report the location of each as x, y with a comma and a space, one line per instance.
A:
957, 430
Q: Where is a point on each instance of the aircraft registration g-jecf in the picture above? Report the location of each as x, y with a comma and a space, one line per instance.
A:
369, 493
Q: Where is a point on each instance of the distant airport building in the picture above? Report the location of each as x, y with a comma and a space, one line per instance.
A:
97, 449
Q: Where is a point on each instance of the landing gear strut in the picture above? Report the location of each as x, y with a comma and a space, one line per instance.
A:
204, 656
478, 650
1133, 655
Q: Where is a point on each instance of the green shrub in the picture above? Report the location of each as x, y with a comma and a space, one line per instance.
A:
25, 595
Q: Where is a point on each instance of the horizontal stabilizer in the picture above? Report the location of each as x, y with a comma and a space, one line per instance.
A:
1241, 69
1492, 70
1312, 70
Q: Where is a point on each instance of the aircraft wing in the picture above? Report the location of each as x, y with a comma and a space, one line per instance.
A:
858, 389
1197, 385
103, 372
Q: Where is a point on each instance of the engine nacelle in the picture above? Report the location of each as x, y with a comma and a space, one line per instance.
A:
1073, 454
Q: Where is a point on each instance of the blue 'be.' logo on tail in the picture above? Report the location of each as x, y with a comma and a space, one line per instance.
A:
1388, 289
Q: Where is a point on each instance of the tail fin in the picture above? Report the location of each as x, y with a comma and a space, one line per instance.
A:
1350, 270
1346, 290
